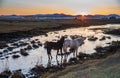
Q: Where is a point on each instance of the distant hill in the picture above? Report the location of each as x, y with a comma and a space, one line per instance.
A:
61, 16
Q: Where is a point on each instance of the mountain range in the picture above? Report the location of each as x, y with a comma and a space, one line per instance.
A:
62, 16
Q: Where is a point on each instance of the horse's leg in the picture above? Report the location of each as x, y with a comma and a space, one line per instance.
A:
57, 51
61, 60
49, 62
51, 56
76, 51
61, 51
49, 53
57, 61
65, 49
65, 59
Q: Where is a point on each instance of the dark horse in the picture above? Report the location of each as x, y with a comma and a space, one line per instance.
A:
54, 45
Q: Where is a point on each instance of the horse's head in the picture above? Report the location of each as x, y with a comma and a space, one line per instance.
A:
81, 39
62, 39
45, 44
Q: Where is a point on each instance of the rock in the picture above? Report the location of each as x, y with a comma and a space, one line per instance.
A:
23, 44
92, 38
10, 48
15, 56
7, 57
5, 74
1, 53
108, 37
29, 47
5, 51
33, 42
46, 35
15, 44
23, 52
18, 74
73, 60
83, 56
39, 69
100, 49
64, 31
56, 32
103, 38
54, 40
3, 45
39, 44
35, 46
57, 36
36, 39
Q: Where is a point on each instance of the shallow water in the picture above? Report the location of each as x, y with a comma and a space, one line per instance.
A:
39, 56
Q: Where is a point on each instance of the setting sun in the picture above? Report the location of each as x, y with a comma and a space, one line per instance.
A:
83, 13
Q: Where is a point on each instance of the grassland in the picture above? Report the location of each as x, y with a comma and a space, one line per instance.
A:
99, 68
20, 28
7, 25
11, 25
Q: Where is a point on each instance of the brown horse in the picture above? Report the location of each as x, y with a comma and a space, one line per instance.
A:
54, 45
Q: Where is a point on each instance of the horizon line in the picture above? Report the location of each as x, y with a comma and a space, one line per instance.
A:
56, 13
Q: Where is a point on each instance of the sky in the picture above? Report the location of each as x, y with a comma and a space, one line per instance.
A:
73, 7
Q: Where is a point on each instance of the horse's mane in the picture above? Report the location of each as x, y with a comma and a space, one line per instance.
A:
61, 40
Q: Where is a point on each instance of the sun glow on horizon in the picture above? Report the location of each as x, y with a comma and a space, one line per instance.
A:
83, 13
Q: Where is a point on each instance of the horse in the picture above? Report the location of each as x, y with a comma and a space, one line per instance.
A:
54, 45
73, 44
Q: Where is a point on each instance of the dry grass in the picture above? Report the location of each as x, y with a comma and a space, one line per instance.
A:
101, 68
24, 25
10, 25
